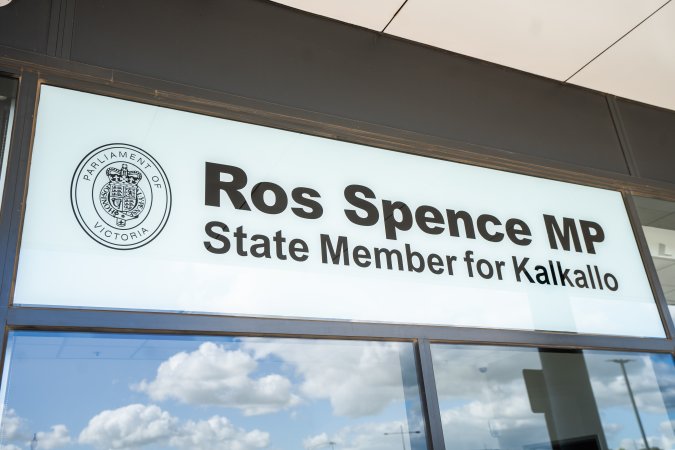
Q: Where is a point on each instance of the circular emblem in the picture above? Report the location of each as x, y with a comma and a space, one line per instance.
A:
120, 196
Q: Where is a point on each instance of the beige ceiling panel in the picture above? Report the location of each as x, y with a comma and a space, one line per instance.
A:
373, 14
552, 38
641, 66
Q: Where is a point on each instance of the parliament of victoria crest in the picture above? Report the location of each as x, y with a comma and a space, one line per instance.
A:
120, 196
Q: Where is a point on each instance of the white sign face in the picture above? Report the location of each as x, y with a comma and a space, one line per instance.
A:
140, 207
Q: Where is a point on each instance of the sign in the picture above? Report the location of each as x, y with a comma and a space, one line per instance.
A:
139, 207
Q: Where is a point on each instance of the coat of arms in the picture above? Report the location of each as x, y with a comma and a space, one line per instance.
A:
121, 197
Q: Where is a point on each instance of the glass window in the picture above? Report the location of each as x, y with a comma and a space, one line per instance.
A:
658, 223
534, 399
102, 391
7, 106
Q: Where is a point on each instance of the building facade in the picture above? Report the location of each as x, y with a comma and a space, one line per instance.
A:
197, 293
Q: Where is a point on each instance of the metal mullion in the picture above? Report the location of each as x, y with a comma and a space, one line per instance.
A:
648, 263
163, 322
622, 136
15, 184
12, 201
430, 395
3, 343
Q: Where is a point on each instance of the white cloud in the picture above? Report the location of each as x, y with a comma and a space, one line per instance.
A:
128, 427
137, 425
636, 442
218, 433
57, 437
650, 395
316, 441
612, 429
212, 375
485, 402
493, 424
10, 447
13, 426
464, 372
14, 429
366, 436
359, 379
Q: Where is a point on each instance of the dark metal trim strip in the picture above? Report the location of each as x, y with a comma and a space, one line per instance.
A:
179, 323
102, 81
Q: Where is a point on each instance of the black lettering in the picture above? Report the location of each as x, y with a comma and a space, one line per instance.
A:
542, 275
552, 272
520, 268
298, 249
280, 197
564, 275
482, 222
361, 256
372, 214
391, 224
592, 233
484, 268
468, 259
423, 220
563, 236
213, 185
389, 254
611, 282
499, 265
590, 276
279, 240
580, 280
240, 236
414, 259
449, 260
435, 263
210, 231
597, 273
303, 196
261, 249
515, 228
465, 217
335, 253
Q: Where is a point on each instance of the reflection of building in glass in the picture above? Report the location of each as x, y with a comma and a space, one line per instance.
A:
547, 399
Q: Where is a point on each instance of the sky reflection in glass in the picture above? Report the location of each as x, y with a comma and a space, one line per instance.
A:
103, 391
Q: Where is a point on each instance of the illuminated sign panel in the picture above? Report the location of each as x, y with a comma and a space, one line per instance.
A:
139, 207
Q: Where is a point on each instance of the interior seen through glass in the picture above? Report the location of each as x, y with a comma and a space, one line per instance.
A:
102, 391
658, 223
530, 399
7, 104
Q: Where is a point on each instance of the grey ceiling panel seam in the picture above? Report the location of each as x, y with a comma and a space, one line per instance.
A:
618, 40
